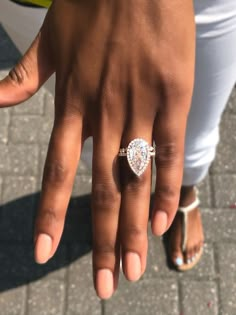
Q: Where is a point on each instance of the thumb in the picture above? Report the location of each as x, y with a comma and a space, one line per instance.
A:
28, 75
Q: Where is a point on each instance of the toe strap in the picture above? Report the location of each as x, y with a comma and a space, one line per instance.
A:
190, 207
185, 211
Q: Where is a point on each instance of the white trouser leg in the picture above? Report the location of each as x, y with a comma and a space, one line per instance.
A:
214, 79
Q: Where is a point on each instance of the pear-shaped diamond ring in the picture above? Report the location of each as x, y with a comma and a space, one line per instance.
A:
138, 153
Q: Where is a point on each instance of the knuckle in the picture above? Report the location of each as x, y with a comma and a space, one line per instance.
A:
47, 216
104, 248
103, 196
137, 183
55, 172
167, 154
166, 192
134, 234
19, 74
174, 85
68, 105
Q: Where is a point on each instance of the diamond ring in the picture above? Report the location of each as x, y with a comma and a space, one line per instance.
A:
138, 153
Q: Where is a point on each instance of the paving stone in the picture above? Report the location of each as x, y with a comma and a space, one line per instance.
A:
225, 161
55, 268
30, 129
17, 264
224, 191
18, 159
4, 123
226, 254
78, 221
86, 155
157, 259
82, 185
18, 187
159, 265
12, 302
150, 297
219, 224
14, 264
205, 193
18, 210
82, 299
47, 295
199, 297
77, 229
49, 105
33, 106
3, 74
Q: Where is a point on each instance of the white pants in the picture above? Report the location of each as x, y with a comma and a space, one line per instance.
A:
214, 79
215, 76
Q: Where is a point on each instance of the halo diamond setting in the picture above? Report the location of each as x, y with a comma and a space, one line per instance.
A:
138, 153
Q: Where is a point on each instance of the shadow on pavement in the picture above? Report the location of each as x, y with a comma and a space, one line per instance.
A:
16, 240
9, 54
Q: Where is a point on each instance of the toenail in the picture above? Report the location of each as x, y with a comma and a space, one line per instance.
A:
179, 261
188, 261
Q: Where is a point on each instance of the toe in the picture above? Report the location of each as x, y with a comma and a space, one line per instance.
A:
199, 247
196, 250
177, 258
188, 256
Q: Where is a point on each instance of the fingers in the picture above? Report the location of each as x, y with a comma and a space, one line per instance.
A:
105, 212
29, 74
60, 168
169, 133
134, 214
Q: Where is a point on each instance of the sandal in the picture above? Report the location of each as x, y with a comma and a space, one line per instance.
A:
191, 262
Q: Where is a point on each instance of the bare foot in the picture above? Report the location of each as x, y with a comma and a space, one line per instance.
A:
195, 236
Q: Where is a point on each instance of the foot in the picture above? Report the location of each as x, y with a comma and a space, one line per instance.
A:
195, 237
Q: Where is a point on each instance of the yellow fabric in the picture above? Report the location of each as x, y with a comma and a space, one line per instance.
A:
42, 3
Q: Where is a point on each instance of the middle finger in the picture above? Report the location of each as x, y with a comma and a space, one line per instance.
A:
136, 190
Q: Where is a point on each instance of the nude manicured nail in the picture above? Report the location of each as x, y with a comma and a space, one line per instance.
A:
43, 248
104, 283
133, 266
159, 222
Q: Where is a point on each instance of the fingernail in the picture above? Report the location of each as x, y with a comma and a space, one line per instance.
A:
133, 266
179, 261
159, 222
43, 248
104, 283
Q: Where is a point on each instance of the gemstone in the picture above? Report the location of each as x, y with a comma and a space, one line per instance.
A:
138, 155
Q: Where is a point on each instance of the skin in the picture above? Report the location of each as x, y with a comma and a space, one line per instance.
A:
195, 235
124, 70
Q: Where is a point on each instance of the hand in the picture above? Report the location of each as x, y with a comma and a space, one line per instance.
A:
124, 70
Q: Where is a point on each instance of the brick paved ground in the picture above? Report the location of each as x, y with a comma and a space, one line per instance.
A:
64, 285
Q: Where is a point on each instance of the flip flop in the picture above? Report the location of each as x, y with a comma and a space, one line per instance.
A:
179, 264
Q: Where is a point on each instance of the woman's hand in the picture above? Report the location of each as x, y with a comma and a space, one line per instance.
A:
124, 70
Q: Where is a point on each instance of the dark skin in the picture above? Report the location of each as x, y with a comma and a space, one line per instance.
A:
124, 70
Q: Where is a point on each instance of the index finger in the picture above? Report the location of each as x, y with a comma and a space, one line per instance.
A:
59, 172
